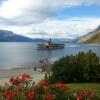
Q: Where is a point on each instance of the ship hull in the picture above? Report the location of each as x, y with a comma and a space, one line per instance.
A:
50, 47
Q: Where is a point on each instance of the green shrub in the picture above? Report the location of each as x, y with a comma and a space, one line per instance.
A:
83, 67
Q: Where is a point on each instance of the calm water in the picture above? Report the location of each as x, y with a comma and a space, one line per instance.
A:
15, 54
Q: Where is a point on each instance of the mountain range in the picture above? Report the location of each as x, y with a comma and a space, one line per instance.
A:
91, 37
9, 36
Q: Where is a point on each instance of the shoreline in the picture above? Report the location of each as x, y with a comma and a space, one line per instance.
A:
5, 74
96, 44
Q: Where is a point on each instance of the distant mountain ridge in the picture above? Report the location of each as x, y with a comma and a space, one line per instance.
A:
9, 36
91, 37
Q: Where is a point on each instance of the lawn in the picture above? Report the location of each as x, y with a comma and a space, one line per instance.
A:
95, 87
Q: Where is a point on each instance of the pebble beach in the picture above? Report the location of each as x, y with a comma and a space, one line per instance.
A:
5, 74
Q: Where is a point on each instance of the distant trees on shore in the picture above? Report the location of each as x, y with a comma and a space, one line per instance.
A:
83, 67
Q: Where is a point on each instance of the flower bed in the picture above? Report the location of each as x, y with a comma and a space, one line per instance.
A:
24, 88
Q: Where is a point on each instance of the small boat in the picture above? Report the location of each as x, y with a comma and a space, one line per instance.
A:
48, 46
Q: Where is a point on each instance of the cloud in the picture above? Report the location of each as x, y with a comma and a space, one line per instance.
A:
33, 11
32, 17
23, 10
68, 28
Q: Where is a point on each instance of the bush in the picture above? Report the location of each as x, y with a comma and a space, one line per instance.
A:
83, 67
23, 88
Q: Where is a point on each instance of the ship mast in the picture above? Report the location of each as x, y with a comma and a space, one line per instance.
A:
49, 42
43, 38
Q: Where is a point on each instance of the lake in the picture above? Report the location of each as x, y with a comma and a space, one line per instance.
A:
25, 54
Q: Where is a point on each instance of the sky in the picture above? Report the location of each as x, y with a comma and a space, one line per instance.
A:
50, 18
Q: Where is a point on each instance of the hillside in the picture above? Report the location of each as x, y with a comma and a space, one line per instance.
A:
91, 37
9, 36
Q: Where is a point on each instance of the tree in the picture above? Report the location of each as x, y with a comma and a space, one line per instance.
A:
83, 67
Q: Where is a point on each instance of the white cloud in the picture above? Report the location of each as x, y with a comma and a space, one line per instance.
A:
37, 9
26, 16
68, 28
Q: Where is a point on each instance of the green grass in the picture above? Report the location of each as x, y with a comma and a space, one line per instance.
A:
95, 87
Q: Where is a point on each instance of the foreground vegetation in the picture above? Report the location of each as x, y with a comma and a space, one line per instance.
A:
73, 78
80, 68
24, 88
94, 87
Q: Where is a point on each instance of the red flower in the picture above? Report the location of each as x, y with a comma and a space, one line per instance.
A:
26, 76
80, 97
47, 89
49, 96
19, 89
8, 95
14, 80
11, 79
17, 80
31, 95
87, 93
59, 85
82, 94
42, 83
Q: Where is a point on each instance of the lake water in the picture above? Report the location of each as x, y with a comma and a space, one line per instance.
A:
23, 54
